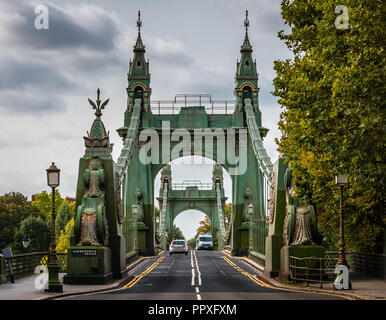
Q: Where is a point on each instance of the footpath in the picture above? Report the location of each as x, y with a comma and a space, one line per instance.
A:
363, 287
25, 288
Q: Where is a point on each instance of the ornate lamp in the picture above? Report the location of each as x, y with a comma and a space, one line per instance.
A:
341, 179
53, 175
25, 242
54, 285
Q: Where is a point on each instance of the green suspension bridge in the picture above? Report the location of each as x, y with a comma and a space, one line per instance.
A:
115, 219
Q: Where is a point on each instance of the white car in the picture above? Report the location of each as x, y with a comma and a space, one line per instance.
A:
204, 242
178, 246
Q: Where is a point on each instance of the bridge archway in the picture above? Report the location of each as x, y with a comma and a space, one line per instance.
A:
207, 196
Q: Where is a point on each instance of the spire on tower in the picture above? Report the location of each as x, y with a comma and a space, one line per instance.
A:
246, 44
139, 45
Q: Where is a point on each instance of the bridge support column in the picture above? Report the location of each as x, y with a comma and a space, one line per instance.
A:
274, 240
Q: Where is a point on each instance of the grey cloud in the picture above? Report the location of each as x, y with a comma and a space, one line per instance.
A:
172, 59
13, 102
18, 74
64, 31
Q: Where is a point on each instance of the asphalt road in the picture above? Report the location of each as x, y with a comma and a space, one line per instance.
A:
200, 275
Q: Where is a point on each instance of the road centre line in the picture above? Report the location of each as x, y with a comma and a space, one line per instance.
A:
252, 277
198, 270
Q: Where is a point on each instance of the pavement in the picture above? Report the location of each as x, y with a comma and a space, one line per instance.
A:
363, 287
27, 288
201, 275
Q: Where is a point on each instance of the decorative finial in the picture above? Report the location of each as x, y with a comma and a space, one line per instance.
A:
246, 21
98, 107
139, 22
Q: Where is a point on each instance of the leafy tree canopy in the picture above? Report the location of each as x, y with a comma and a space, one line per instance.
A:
43, 201
38, 232
63, 217
64, 238
204, 226
14, 208
333, 97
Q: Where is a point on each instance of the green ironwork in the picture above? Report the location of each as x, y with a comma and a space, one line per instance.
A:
210, 200
127, 226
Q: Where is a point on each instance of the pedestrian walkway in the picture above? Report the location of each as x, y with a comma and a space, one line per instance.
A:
25, 288
363, 287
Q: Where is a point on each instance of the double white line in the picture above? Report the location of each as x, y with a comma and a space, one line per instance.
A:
194, 264
195, 268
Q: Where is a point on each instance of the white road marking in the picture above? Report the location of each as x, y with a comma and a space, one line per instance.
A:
198, 297
198, 270
138, 266
193, 276
197, 290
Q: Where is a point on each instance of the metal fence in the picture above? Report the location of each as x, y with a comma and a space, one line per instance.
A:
184, 100
25, 264
312, 269
192, 183
322, 270
371, 264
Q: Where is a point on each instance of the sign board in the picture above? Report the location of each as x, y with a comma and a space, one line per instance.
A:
7, 253
84, 252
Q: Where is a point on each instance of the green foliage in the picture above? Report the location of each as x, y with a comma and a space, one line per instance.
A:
62, 218
228, 213
64, 238
192, 243
14, 208
37, 231
177, 233
204, 226
332, 94
43, 201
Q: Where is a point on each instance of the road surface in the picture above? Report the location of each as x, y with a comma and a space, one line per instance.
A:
200, 275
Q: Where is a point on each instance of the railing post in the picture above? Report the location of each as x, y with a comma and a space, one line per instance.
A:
321, 275
3, 278
307, 271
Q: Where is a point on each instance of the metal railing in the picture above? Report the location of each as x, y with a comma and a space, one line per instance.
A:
184, 100
25, 264
371, 264
192, 183
312, 269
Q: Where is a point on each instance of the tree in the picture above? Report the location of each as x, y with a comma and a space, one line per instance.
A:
333, 119
14, 208
204, 226
38, 232
177, 233
63, 217
192, 243
228, 214
64, 238
43, 201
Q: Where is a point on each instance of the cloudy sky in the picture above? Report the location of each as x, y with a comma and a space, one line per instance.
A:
46, 76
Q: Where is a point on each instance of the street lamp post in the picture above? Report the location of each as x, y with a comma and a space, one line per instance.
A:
343, 280
341, 180
54, 285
